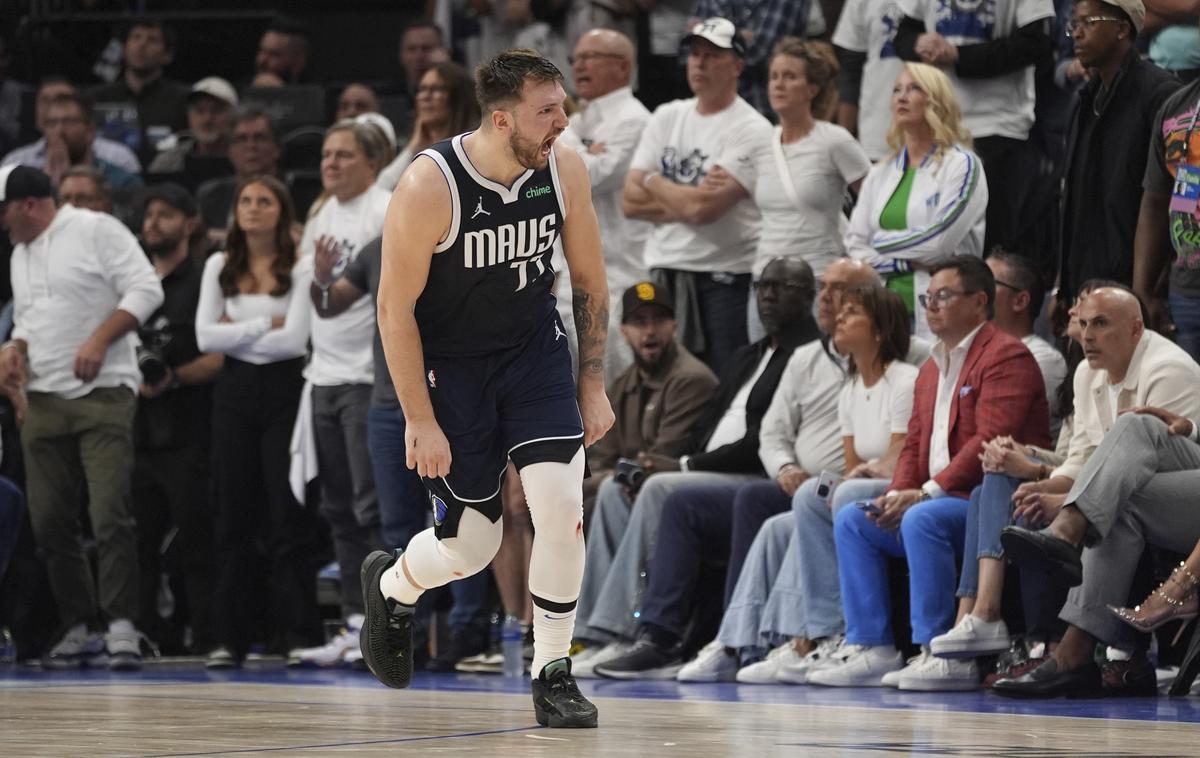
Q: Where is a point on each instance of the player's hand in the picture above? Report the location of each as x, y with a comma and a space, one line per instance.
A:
596, 411
426, 449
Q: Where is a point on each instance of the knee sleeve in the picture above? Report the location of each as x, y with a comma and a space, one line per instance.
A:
554, 492
433, 562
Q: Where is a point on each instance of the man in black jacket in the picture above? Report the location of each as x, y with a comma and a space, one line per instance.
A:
1109, 129
624, 523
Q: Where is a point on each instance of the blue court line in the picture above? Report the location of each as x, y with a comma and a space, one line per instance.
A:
340, 744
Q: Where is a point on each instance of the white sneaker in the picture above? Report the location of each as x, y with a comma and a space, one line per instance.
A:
124, 645
972, 637
858, 666
332, 653
484, 663
797, 671
586, 669
928, 673
78, 647
892, 678
766, 671
711, 664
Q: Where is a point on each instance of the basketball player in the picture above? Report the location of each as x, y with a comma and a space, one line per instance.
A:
482, 368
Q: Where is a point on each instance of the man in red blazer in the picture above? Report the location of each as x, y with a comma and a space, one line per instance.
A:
979, 384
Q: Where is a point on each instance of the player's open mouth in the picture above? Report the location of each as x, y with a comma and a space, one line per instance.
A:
547, 145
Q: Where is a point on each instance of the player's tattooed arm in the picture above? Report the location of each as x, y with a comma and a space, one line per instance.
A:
591, 327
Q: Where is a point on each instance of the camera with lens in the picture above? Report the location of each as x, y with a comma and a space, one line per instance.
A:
151, 355
629, 473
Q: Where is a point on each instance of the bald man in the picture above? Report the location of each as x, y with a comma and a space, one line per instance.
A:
605, 133
1122, 487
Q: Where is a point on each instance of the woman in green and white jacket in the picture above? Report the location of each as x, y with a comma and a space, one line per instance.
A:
927, 200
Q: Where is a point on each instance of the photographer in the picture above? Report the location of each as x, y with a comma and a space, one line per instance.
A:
657, 400
171, 429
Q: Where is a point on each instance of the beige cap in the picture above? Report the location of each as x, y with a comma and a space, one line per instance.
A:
1133, 8
215, 86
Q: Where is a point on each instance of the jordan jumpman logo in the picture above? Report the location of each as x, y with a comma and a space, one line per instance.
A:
479, 209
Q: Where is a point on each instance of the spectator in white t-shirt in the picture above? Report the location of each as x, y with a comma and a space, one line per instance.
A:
342, 369
869, 66
803, 178
989, 50
706, 224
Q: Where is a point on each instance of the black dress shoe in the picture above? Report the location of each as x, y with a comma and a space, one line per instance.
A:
1047, 681
1042, 551
1132, 678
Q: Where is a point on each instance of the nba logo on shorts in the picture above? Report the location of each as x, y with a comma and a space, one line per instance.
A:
439, 509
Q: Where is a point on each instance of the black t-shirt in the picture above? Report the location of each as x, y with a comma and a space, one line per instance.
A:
1175, 140
179, 417
363, 272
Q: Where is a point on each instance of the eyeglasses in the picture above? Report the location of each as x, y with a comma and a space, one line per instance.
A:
432, 89
782, 285
1075, 24
589, 57
939, 298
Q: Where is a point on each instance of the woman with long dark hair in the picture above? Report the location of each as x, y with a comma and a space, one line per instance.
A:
445, 106
254, 309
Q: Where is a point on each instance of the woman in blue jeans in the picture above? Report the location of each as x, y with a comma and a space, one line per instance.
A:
798, 599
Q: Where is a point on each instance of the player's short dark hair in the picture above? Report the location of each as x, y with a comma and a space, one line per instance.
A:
500, 80
1023, 275
149, 22
975, 276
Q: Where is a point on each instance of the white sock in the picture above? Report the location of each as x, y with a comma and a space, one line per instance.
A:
355, 621
552, 634
120, 626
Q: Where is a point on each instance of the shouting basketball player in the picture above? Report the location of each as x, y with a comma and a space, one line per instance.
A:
471, 335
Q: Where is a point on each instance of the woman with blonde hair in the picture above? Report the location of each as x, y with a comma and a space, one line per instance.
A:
926, 202
803, 177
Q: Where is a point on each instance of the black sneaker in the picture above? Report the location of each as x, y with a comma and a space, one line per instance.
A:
557, 701
386, 638
645, 660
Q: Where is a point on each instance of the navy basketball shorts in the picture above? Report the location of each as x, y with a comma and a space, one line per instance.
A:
519, 404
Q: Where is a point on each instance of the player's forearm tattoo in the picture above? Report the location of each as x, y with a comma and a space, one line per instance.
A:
591, 326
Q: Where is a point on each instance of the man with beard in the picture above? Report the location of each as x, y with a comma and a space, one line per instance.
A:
171, 428
149, 47
482, 367
199, 154
659, 398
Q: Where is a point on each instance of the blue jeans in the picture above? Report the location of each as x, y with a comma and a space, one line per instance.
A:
931, 538
820, 597
404, 509
1185, 312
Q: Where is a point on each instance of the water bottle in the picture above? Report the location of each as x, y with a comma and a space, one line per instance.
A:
512, 645
8, 648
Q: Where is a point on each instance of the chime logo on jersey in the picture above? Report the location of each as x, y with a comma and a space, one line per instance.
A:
507, 242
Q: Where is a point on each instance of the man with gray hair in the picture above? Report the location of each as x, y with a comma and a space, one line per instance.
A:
605, 132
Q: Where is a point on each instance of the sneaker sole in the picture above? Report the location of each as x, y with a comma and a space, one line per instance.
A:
396, 673
663, 673
125, 664
939, 685
966, 650
557, 721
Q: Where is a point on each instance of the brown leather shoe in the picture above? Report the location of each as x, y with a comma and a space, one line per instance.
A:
1132, 678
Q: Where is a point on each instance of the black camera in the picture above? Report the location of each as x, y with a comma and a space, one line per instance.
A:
151, 358
629, 473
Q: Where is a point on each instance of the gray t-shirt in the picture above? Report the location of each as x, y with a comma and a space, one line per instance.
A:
363, 272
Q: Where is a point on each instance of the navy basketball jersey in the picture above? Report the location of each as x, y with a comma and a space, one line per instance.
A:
490, 279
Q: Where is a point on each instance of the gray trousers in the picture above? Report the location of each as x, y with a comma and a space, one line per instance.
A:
348, 500
1137, 489
620, 542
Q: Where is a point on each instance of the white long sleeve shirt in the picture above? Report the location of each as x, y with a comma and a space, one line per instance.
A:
801, 425
616, 120
248, 336
66, 283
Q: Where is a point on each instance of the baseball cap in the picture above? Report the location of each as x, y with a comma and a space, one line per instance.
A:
1135, 9
173, 195
722, 33
19, 182
215, 86
645, 293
